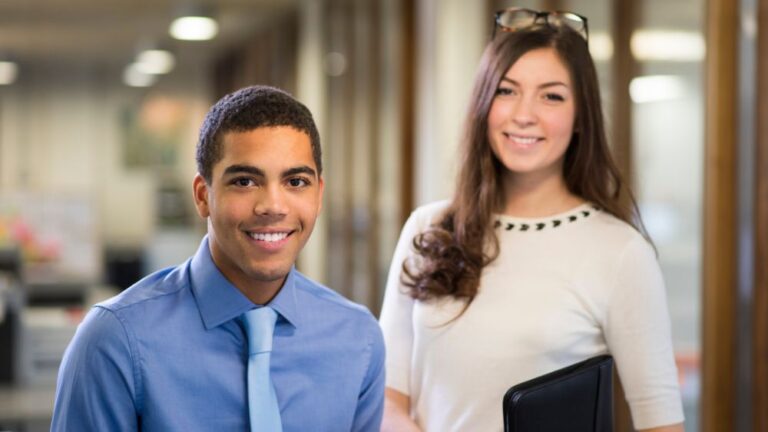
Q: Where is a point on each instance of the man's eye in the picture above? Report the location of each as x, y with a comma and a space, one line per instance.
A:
298, 182
243, 182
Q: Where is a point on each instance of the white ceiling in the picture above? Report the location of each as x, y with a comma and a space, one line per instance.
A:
110, 32
75, 33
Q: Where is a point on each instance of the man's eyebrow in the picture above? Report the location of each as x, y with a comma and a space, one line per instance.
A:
304, 169
244, 169
545, 85
250, 169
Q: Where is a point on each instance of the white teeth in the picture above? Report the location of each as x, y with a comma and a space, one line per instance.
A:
269, 237
523, 140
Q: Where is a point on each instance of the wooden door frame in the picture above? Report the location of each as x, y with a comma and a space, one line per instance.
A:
719, 260
760, 297
625, 15
409, 67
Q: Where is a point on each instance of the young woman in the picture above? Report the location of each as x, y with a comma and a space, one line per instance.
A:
539, 260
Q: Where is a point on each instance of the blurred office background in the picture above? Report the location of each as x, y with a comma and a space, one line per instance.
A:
100, 106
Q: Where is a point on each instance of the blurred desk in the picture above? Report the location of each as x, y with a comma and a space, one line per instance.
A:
26, 405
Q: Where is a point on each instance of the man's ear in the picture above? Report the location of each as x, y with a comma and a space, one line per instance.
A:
200, 192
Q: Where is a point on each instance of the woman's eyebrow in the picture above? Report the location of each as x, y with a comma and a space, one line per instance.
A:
544, 85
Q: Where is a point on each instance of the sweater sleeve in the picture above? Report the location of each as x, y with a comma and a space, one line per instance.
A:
396, 318
638, 335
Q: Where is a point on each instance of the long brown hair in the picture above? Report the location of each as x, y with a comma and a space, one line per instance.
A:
454, 251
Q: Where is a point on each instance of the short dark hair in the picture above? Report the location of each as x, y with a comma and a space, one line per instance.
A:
247, 109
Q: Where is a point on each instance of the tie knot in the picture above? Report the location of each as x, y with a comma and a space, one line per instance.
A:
259, 325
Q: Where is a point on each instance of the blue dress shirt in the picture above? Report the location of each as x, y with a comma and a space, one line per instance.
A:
170, 354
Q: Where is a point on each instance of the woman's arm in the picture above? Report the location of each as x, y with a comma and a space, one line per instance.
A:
396, 322
638, 335
397, 407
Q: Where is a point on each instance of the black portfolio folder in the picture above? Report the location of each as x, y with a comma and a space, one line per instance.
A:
577, 398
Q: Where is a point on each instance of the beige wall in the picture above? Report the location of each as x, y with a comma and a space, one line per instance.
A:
60, 133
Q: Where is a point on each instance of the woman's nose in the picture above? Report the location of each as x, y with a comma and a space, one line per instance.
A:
523, 113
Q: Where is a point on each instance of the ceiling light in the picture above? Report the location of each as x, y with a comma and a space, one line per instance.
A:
194, 28
667, 45
601, 46
8, 72
656, 88
155, 61
134, 77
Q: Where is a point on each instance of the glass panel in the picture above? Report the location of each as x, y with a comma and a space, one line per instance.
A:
668, 147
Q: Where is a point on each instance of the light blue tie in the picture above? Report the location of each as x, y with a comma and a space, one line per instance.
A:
262, 401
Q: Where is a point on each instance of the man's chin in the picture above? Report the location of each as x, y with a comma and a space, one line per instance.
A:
269, 275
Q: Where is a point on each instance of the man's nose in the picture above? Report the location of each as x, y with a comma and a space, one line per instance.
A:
271, 201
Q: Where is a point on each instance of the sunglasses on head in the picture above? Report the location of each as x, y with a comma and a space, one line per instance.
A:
513, 19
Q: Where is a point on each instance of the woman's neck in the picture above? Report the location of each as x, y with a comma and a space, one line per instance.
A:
528, 197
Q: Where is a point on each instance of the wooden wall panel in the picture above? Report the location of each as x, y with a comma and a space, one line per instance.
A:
409, 66
357, 33
625, 15
720, 205
339, 199
268, 57
760, 306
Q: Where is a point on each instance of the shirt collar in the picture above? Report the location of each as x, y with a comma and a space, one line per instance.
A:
219, 301
285, 302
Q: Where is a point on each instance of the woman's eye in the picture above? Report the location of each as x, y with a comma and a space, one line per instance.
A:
504, 91
554, 97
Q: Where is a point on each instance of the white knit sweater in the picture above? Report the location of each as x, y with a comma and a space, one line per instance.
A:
564, 288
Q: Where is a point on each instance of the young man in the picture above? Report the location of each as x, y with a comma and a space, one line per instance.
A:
171, 352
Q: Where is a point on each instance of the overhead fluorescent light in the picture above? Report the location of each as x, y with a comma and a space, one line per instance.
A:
668, 45
8, 72
155, 61
601, 46
656, 88
194, 28
134, 77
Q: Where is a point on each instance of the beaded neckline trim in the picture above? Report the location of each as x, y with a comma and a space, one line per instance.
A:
543, 223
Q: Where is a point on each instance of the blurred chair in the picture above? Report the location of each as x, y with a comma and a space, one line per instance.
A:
124, 266
10, 310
